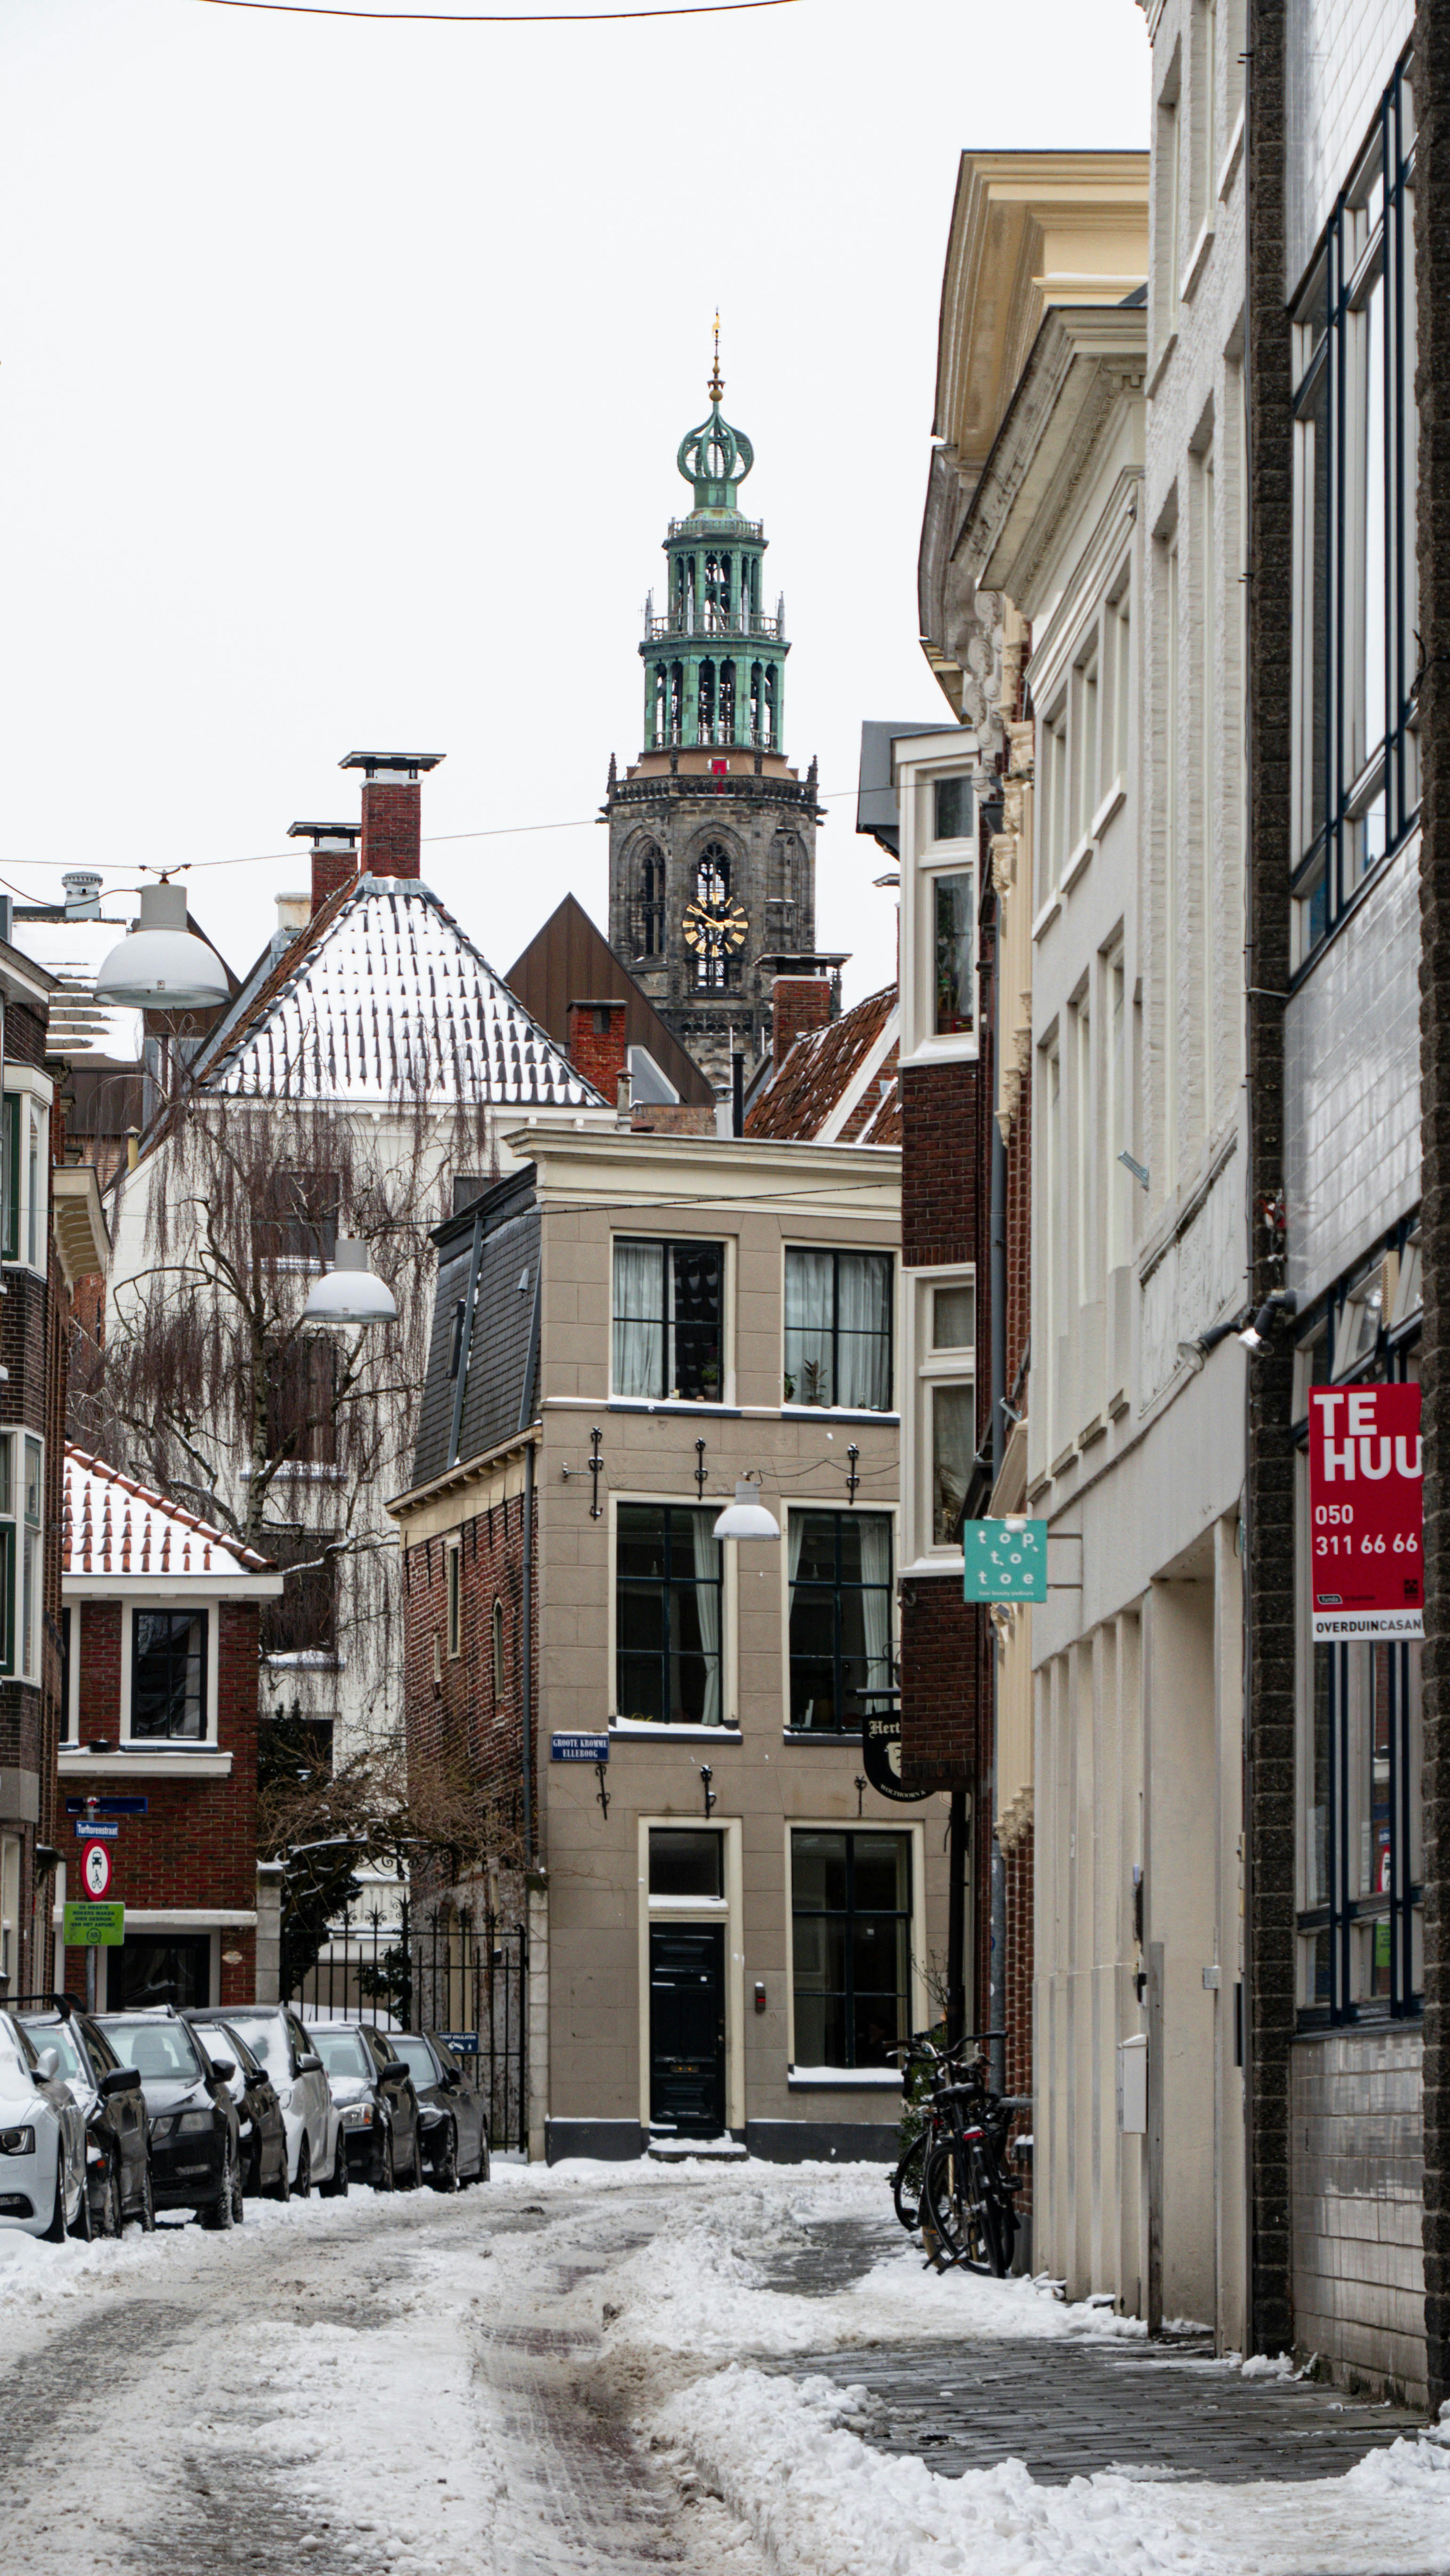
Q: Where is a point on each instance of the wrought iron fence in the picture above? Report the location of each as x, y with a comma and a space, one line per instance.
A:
443, 1969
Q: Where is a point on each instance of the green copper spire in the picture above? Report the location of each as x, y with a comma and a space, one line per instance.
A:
715, 663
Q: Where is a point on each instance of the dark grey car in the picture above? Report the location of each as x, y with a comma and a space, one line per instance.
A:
381, 2124
118, 2143
454, 2113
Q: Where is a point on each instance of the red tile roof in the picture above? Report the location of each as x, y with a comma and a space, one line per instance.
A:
805, 1095
112, 1525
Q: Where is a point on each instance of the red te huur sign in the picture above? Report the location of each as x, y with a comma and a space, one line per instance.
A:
1367, 1565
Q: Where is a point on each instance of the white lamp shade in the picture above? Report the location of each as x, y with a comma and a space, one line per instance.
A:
163, 966
350, 1293
747, 1516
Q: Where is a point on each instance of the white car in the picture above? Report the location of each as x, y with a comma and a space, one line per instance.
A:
315, 2152
42, 2141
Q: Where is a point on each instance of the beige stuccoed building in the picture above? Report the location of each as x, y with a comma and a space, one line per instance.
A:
730, 1929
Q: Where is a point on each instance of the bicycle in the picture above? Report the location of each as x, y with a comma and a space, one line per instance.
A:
967, 2187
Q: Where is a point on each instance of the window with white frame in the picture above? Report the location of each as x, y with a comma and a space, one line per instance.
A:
1117, 681
21, 1464
1083, 744
1171, 909
1167, 206
946, 1370
841, 1593
1113, 1126
1210, 771
838, 1328
1356, 650
168, 1677
668, 1596
1052, 804
948, 909
24, 1179
1083, 1158
851, 1946
1205, 111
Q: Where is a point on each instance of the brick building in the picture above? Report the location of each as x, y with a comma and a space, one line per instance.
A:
158, 1724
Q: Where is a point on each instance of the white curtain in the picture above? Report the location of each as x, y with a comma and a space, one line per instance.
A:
707, 1596
876, 1599
864, 1330
639, 1332
808, 1299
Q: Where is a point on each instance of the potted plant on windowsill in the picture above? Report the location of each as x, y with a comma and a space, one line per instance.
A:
709, 1382
789, 1395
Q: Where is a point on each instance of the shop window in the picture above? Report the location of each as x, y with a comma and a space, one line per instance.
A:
838, 1329
851, 1928
840, 1616
668, 1335
668, 1590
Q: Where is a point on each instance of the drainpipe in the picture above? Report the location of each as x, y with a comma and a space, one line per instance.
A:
526, 1406
996, 1975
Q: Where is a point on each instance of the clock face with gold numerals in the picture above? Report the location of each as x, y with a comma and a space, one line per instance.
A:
715, 925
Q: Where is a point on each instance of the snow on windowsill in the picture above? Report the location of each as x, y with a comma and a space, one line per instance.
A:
688, 1734
843, 2079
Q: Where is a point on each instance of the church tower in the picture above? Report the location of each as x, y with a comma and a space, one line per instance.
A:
712, 836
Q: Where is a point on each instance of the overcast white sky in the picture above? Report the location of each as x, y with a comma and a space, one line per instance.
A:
342, 369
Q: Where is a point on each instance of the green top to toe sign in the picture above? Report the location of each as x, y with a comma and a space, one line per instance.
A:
1005, 1560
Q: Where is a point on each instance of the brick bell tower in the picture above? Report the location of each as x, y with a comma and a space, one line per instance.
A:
712, 836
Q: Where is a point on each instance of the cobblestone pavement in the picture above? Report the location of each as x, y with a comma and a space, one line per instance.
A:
1165, 2410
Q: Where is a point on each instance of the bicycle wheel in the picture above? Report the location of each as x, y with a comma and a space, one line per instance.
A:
957, 2205
906, 2183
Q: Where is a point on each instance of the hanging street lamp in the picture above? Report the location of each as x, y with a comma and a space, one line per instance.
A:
350, 1293
747, 1516
161, 965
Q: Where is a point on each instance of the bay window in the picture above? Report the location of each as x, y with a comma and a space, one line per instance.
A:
1356, 656
668, 1320
21, 1458
840, 1616
667, 1611
838, 1329
946, 1362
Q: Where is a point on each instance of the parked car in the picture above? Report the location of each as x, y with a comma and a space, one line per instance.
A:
118, 2140
376, 2102
42, 2140
454, 2113
196, 2139
259, 2114
274, 2034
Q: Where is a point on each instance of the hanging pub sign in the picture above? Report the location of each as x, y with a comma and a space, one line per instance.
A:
1366, 1557
881, 1747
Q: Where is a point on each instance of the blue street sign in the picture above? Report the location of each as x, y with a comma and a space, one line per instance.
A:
464, 2043
107, 1806
1004, 1560
579, 1748
97, 1831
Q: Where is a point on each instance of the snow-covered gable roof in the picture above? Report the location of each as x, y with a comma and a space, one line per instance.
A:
112, 1525
80, 1026
384, 994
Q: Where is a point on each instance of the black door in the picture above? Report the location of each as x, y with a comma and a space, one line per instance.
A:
687, 2028
167, 1968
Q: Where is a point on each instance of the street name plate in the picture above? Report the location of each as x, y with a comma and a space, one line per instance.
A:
579, 1748
93, 1927
1004, 1560
105, 1806
98, 1830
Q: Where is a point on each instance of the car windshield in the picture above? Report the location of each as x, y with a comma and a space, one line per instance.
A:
162, 2050
341, 2051
417, 2058
267, 2039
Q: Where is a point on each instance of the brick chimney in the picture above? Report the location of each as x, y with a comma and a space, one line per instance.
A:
392, 809
334, 855
799, 1003
597, 1045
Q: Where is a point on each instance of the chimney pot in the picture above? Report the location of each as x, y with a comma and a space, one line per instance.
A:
392, 809
597, 1045
334, 861
799, 1003
82, 894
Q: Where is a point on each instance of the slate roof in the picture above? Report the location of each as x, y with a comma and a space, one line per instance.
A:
570, 960
112, 1525
838, 1085
498, 1353
383, 992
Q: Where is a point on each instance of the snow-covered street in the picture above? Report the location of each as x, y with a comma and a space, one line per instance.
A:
599, 2368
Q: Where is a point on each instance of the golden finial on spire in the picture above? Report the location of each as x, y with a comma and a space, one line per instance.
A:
716, 385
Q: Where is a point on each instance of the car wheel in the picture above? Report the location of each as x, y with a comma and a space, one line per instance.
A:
303, 2184
281, 2188
415, 2169
220, 2215
239, 2197
55, 2232
109, 2218
84, 2222
339, 2180
147, 2211
444, 2176
387, 2179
